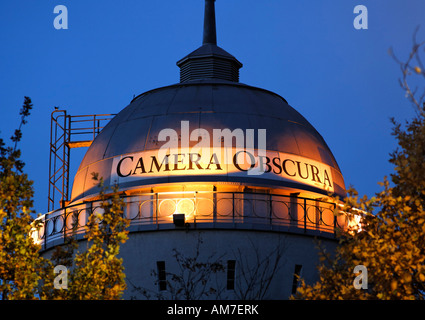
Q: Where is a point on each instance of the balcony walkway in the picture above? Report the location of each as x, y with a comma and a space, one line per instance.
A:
203, 210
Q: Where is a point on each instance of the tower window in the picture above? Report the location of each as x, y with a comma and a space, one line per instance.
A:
231, 264
162, 283
296, 279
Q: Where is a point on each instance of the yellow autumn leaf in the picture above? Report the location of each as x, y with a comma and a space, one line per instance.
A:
407, 277
418, 70
393, 285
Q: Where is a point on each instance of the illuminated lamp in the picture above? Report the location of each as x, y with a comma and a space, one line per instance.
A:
185, 208
179, 219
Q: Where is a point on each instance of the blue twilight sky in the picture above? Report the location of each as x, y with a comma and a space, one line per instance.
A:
341, 79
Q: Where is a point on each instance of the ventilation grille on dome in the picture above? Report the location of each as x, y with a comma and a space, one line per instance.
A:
207, 68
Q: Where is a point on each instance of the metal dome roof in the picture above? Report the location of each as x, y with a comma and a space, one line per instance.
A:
205, 104
209, 97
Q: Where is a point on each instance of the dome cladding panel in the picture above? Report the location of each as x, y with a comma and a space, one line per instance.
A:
210, 104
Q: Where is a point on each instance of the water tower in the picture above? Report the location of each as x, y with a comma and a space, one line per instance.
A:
214, 170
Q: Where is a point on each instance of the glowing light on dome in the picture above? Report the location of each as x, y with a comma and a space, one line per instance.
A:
186, 206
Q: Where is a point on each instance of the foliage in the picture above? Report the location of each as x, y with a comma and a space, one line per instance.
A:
391, 243
21, 267
97, 272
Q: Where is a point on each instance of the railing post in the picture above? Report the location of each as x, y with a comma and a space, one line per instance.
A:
318, 214
271, 211
293, 210
194, 209
64, 224
214, 205
335, 219
233, 208
94, 126
45, 231
156, 209
305, 215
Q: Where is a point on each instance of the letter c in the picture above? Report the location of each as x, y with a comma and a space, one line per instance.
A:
284, 167
119, 167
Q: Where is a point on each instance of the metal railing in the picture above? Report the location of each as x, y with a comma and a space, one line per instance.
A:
230, 210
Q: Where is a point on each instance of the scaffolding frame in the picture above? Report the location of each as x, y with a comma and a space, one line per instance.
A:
68, 132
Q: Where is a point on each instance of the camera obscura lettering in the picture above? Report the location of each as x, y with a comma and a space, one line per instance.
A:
225, 161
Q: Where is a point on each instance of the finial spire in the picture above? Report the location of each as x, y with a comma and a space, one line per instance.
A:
210, 35
209, 61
